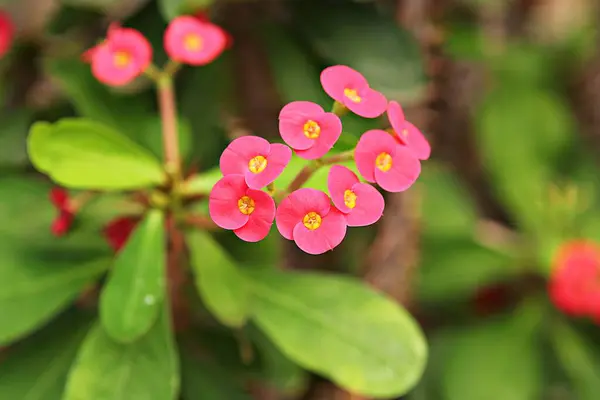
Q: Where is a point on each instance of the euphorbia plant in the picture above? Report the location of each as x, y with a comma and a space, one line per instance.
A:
334, 326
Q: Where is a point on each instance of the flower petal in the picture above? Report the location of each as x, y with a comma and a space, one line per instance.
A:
260, 221
223, 202
404, 172
369, 206
372, 105
277, 159
395, 115
236, 156
331, 129
370, 145
326, 237
339, 180
409, 135
294, 207
339, 77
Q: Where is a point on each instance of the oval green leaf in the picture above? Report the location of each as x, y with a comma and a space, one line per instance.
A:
37, 368
83, 154
33, 289
145, 369
218, 279
341, 329
132, 298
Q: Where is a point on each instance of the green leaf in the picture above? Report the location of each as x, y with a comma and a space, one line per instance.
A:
578, 359
360, 36
277, 369
13, 134
203, 380
145, 369
83, 154
339, 328
453, 268
37, 368
219, 282
36, 284
202, 183
447, 207
173, 8
132, 298
497, 361
522, 172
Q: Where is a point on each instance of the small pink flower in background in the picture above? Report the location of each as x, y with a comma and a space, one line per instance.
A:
259, 161
308, 129
61, 224
407, 133
574, 284
121, 58
307, 217
361, 202
248, 212
118, 230
194, 41
350, 88
379, 158
7, 33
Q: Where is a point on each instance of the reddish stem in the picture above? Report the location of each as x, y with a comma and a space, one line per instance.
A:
166, 99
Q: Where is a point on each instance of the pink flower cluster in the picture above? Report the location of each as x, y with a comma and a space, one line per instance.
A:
316, 221
126, 53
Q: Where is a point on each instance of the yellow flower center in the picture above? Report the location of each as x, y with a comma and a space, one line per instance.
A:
405, 132
192, 42
312, 130
121, 59
312, 220
383, 162
246, 205
257, 164
350, 198
352, 95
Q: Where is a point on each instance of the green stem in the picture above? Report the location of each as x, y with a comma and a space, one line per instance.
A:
168, 114
306, 172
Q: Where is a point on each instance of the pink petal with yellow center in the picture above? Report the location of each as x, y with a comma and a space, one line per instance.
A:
260, 221
370, 145
372, 104
212, 40
237, 155
223, 202
338, 78
331, 129
294, 207
277, 159
292, 118
326, 237
405, 170
369, 206
339, 180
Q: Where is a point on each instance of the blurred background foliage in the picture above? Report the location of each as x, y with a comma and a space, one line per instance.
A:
508, 92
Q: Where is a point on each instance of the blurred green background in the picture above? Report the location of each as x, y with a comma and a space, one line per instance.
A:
508, 93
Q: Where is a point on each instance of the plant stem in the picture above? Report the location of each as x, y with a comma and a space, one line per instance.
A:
306, 172
168, 114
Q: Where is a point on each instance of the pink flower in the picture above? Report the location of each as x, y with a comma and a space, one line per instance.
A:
361, 202
307, 217
259, 161
350, 88
194, 41
121, 58
7, 32
407, 133
381, 159
309, 130
248, 212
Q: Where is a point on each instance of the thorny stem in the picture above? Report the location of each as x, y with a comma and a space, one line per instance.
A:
305, 174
